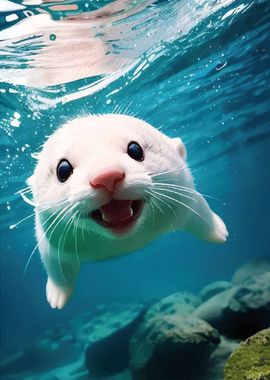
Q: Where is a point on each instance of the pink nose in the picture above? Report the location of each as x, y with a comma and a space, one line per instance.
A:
108, 179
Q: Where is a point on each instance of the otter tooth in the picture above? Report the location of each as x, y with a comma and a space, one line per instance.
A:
104, 218
108, 221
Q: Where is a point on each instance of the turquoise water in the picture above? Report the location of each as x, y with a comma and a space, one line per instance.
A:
195, 69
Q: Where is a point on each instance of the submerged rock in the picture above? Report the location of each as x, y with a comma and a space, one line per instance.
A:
104, 334
43, 355
214, 288
240, 311
119, 376
178, 303
251, 360
251, 269
109, 336
215, 370
104, 321
171, 347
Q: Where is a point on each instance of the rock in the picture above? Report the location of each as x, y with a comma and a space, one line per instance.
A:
178, 303
171, 347
251, 360
214, 288
109, 336
215, 370
240, 311
102, 322
254, 268
40, 356
60, 352
120, 376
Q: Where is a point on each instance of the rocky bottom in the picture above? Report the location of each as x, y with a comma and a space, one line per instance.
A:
221, 333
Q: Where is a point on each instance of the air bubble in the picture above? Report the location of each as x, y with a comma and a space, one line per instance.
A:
221, 65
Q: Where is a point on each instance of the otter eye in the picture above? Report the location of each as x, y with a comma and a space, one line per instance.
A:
135, 151
64, 170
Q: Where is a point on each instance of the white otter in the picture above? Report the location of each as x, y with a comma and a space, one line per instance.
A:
107, 185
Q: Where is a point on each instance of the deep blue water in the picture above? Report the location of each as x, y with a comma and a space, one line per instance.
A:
195, 69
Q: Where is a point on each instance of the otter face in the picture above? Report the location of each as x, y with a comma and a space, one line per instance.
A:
99, 172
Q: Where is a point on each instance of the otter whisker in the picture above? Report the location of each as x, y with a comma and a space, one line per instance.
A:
12, 226
184, 166
175, 185
64, 233
41, 211
184, 188
166, 203
52, 205
76, 223
148, 200
27, 200
175, 188
20, 192
68, 225
158, 174
56, 204
59, 259
83, 231
153, 213
40, 240
163, 213
188, 207
25, 188
62, 201
156, 204
63, 214
159, 208
174, 192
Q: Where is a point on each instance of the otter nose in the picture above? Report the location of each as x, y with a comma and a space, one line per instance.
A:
108, 179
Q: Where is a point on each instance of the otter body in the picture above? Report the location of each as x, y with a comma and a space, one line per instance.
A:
108, 185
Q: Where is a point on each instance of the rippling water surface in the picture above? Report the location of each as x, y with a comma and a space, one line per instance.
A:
198, 69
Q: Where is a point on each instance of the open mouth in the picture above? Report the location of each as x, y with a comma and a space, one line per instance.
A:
118, 215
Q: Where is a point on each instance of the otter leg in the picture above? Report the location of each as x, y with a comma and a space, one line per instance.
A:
61, 281
204, 223
62, 269
57, 296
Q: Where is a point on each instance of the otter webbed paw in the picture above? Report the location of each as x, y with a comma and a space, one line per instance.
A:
219, 234
57, 296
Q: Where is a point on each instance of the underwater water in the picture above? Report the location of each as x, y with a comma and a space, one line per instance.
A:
198, 69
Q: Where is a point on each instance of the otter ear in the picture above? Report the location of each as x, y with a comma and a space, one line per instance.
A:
180, 147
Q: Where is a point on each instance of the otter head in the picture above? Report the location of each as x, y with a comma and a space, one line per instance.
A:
100, 172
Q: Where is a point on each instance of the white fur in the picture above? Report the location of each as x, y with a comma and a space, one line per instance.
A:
94, 144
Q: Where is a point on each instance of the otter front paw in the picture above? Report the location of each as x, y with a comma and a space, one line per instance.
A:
57, 296
219, 234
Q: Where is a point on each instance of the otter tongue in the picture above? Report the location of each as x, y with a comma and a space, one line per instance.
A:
116, 211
